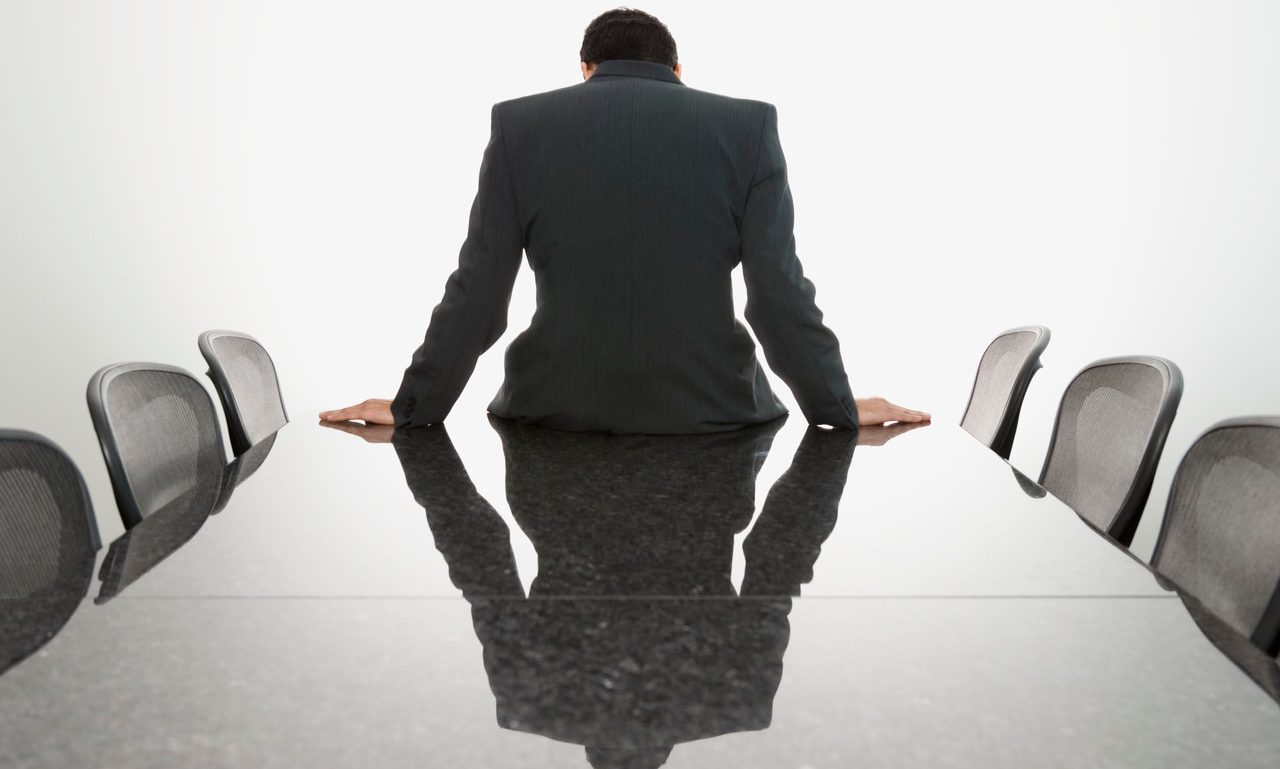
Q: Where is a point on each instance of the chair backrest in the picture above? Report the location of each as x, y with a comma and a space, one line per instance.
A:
46, 518
159, 435
48, 538
1004, 373
1220, 540
1106, 444
245, 378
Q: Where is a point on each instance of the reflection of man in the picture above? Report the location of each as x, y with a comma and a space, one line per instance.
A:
632, 638
634, 198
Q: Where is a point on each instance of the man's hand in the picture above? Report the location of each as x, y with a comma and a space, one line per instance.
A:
878, 411
374, 411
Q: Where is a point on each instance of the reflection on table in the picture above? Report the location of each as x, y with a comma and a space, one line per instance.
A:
632, 638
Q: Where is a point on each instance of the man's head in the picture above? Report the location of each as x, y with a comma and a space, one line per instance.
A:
625, 33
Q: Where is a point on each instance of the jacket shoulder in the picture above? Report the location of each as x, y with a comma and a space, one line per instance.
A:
749, 107
719, 103
533, 100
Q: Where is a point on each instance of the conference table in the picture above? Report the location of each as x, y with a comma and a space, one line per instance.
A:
487, 594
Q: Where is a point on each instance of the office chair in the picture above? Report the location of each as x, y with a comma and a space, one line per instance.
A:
1220, 540
48, 537
160, 438
1107, 439
245, 378
1004, 373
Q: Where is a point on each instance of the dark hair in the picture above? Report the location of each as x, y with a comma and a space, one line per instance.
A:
626, 33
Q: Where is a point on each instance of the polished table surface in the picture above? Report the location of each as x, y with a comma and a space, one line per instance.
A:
498, 595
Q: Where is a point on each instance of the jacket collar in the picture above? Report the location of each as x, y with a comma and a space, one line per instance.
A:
635, 68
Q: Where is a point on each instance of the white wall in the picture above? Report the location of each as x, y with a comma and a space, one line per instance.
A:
1107, 168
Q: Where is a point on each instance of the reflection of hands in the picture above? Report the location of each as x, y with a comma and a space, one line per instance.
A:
879, 435
375, 411
371, 433
877, 411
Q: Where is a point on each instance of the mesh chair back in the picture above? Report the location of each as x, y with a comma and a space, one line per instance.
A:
1220, 540
46, 519
1004, 373
1107, 440
245, 378
159, 435
48, 538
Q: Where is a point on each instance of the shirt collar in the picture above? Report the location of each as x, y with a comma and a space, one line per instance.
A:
635, 68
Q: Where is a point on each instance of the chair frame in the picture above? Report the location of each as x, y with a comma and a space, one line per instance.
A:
240, 442
130, 510
13, 435
1267, 633
1125, 523
1002, 443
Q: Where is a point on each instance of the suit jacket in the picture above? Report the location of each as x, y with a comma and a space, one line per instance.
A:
633, 197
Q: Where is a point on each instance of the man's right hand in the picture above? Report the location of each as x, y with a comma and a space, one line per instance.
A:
374, 411
878, 411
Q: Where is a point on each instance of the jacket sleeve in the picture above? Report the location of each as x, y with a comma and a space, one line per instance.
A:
473, 313
780, 299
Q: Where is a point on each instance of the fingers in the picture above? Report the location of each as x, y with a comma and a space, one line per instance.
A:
374, 411
878, 411
341, 415
910, 415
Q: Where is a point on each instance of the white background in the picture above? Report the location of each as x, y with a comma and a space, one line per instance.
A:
303, 171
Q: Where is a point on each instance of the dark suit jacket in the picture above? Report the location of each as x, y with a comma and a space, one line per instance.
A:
634, 197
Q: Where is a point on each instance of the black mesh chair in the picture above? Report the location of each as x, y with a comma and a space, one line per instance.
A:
245, 378
160, 438
48, 538
1220, 540
1004, 373
1107, 440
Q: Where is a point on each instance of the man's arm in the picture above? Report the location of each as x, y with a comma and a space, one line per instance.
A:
781, 307
780, 299
473, 313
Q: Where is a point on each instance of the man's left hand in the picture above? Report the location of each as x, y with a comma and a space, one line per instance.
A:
374, 411
877, 411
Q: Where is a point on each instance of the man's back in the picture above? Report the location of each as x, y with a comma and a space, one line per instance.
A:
633, 197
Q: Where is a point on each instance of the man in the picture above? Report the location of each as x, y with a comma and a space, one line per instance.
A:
634, 197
